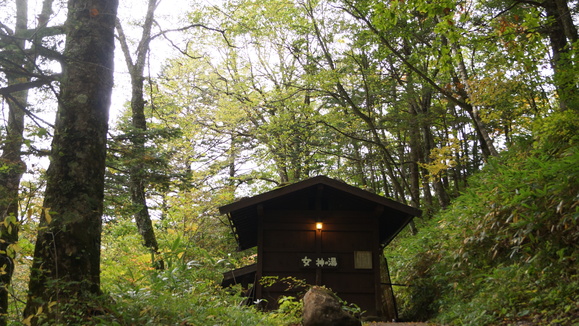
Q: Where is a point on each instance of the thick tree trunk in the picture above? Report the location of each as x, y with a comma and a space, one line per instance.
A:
65, 272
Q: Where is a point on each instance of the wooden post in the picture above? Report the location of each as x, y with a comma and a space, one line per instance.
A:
388, 308
259, 271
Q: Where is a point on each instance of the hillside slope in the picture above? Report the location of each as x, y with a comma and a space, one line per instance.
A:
506, 251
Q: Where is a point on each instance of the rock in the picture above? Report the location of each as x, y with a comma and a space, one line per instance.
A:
322, 308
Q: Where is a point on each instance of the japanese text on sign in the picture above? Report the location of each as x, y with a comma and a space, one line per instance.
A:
316, 261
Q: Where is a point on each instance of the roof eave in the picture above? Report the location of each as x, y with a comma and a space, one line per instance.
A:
255, 200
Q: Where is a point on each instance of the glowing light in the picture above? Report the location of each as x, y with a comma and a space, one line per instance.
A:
319, 225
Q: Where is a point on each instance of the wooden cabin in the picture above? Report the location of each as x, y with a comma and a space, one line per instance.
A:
325, 232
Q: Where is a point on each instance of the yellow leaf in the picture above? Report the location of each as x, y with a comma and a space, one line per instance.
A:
51, 304
47, 216
28, 320
14, 247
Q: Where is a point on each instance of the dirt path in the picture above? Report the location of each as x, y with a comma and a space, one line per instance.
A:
397, 324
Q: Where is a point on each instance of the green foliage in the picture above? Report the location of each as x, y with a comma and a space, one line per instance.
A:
557, 132
289, 310
186, 292
290, 307
290, 283
507, 248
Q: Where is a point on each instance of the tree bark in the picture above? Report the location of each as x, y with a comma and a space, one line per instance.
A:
65, 273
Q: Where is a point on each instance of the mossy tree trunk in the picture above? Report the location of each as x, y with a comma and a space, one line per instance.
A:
65, 275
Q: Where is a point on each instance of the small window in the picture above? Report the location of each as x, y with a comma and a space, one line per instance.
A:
362, 259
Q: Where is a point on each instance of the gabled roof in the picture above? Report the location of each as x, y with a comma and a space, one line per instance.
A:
243, 214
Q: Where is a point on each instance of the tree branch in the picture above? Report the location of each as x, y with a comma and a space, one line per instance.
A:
5, 91
184, 28
33, 116
124, 46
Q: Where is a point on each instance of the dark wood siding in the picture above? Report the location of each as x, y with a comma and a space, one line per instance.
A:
291, 234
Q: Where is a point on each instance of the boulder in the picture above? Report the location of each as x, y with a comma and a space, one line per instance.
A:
323, 308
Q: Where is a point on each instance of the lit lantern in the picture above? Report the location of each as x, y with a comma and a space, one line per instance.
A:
319, 225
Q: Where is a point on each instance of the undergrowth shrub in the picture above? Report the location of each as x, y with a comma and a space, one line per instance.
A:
186, 292
505, 251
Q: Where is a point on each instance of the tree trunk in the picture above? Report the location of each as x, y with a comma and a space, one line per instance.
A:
18, 67
562, 35
11, 162
462, 82
414, 168
439, 191
414, 143
13, 167
65, 273
137, 172
426, 134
